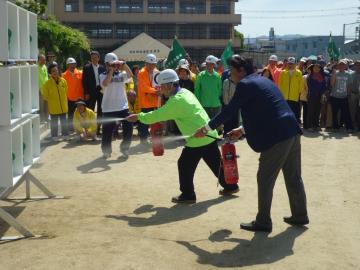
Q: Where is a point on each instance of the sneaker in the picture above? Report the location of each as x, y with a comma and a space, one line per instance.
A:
106, 155
55, 139
349, 131
228, 192
184, 199
125, 152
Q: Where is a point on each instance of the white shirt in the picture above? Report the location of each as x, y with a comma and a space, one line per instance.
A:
96, 71
115, 98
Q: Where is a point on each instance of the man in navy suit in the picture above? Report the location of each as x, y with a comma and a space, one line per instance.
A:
271, 129
91, 84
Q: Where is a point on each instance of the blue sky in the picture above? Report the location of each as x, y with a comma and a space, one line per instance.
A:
304, 26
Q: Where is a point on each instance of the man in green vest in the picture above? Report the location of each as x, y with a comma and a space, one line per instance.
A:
183, 107
43, 77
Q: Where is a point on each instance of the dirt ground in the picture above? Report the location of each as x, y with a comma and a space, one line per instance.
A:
118, 214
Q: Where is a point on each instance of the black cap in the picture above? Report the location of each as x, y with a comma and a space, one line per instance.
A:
95, 52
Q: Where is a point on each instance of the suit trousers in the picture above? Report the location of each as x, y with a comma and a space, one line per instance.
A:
285, 156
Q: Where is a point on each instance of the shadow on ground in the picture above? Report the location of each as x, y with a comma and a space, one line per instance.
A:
164, 215
99, 165
75, 143
261, 249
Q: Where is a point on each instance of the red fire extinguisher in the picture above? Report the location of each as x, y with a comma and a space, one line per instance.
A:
229, 162
156, 131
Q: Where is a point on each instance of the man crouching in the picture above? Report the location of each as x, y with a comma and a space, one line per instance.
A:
84, 122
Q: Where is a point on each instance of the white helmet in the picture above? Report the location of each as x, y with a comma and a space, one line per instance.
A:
273, 58
211, 59
151, 59
166, 76
70, 60
183, 62
110, 58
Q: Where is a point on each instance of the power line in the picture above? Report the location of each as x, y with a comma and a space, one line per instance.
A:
300, 17
295, 11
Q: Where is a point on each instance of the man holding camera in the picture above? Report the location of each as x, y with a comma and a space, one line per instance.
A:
115, 103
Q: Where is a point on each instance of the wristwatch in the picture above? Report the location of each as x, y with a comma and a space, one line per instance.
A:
204, 131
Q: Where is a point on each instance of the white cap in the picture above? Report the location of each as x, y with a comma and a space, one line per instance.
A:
211, 59
70, 60
166, 76
183, 62
303, 59
291, 60
273, 58
150, 59
111, 58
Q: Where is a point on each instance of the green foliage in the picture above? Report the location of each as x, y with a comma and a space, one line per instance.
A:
64, 41
36, 6
239, 36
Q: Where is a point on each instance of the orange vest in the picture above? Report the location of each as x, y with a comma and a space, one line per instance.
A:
275, 72
74, 82
146, 92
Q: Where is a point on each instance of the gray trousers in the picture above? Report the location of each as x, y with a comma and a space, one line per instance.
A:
285, 156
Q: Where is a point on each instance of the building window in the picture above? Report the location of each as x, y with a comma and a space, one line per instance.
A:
98, 31
71, 6
129, 6
220, 7
314, 44
128, 31
288, 47
97, 6
294, 47
192, 31
305, 45
220, 31
193, 6
162, 31
161, 6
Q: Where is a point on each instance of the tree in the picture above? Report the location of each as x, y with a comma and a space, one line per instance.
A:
36, 6
64, 41
238, 39
55, 37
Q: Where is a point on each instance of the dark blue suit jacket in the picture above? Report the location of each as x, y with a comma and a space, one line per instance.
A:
267, 118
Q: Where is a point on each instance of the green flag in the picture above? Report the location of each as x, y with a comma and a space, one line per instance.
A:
176, 53
228, 52
333, 51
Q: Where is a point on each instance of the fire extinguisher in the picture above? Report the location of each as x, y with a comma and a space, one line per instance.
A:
156, 131
229, 162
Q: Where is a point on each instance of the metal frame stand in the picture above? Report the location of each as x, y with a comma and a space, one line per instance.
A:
27, 178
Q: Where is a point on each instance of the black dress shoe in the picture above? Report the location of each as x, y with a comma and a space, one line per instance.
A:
254, 227
300, 221
184, 199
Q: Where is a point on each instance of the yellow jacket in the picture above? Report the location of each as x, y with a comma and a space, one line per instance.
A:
291, 87
55, 95
87, 121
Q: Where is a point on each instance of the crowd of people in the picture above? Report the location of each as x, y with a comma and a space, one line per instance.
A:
327, 94
272, 107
